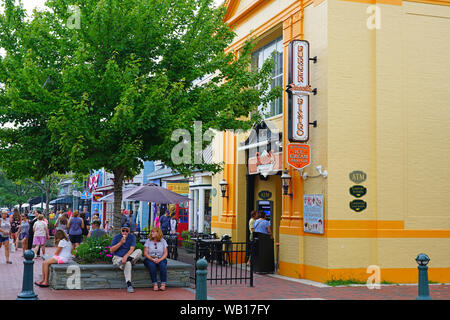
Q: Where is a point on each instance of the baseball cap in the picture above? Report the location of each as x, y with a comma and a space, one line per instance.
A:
126, 225
96, 222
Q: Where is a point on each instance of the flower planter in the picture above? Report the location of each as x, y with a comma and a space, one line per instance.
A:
108, 276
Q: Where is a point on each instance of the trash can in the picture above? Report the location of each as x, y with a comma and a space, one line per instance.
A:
262, 255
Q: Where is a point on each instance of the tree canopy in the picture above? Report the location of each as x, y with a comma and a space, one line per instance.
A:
106, 82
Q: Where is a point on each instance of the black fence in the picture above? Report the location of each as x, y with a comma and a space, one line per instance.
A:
228, 262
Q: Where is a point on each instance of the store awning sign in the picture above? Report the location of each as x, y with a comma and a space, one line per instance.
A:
298, 155
299, 90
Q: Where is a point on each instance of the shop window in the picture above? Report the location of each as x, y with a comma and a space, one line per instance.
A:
274, 48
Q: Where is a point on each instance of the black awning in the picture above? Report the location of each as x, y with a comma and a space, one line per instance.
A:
36, 200
63, 200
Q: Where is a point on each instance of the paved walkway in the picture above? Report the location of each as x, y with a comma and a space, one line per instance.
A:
265, 288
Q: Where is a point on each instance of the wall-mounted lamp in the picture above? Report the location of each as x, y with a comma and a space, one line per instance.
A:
322, 173
285, 182
223, 187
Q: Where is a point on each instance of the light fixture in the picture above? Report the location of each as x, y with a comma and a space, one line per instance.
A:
422, 259
285, 182
322, 173
223, 187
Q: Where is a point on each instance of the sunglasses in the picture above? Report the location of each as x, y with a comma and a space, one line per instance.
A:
125, 230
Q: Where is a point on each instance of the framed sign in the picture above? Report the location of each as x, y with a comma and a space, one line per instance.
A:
313, 213
358, 191
358, 205
298, 90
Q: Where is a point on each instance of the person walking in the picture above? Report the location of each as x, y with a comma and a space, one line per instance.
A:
124, 254
62, 255
96, 232
15, 224
86, 214
5, 230
24, 230
75, 227
251, 224
155, 253
85, 229
165, 223
173, 223
41, 235
61, 223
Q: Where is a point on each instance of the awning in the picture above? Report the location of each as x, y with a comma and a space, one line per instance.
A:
63, 200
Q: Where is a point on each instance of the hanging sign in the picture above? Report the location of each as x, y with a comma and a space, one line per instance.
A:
298, 155
299, 90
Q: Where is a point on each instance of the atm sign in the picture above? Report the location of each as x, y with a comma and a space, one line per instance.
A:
298, 155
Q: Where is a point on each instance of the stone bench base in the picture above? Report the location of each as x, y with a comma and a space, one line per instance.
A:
108, 276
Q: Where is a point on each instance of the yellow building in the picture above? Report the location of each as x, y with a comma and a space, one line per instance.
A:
383, 90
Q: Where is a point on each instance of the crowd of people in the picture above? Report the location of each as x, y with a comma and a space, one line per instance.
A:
31, 229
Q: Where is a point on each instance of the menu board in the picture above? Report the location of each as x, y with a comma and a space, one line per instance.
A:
313, 213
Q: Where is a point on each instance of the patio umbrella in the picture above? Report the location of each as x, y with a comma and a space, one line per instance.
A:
149, 193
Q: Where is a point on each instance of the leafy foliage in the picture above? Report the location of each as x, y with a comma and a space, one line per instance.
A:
111, 93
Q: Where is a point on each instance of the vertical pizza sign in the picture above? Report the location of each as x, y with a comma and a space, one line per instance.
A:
299, 90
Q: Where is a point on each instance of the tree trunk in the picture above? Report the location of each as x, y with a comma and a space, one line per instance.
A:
119, 174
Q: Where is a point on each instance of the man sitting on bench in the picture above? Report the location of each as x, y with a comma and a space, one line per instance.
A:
124, 255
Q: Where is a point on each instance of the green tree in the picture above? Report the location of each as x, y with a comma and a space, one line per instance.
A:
120, 77
15, 192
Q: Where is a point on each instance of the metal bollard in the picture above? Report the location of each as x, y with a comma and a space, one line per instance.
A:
424, 291
200, 285
27, 284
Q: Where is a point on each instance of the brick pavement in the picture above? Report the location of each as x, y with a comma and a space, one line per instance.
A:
265, 288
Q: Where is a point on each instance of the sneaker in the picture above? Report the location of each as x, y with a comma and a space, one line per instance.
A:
130, 289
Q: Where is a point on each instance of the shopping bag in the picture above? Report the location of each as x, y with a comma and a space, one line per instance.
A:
12, 246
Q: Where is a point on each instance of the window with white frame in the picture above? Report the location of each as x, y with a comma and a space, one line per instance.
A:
258, 58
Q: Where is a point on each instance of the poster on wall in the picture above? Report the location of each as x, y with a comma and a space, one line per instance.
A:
313, 213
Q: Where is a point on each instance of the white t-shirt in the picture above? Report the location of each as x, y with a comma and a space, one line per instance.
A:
173, 226
66, 251
39, 228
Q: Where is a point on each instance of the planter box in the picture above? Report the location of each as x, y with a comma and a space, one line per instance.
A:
108, 276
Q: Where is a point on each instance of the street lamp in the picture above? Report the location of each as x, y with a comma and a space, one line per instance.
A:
223, 187
285, 182
424, 292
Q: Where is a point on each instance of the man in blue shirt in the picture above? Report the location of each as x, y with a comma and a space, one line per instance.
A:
124, 255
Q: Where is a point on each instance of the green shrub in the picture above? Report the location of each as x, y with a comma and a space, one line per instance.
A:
94, 250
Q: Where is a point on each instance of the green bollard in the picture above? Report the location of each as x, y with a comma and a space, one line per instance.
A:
200, 285
27, 284
424, 291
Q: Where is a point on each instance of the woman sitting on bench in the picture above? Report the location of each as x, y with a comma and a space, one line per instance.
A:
62, 255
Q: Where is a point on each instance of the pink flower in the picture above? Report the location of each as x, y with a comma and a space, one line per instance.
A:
109, 256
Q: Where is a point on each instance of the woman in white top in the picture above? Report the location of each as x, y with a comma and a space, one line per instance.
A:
62, 255
5, 231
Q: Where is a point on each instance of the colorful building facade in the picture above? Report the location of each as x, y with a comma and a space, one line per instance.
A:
382, 135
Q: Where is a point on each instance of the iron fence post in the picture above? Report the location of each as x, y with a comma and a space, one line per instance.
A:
200, 286
27, 284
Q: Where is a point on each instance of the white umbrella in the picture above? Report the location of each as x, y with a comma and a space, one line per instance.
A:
36, 206
25, 205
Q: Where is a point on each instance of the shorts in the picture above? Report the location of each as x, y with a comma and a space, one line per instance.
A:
61, 260
39, 240
76, 238
4, 239
23, 236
